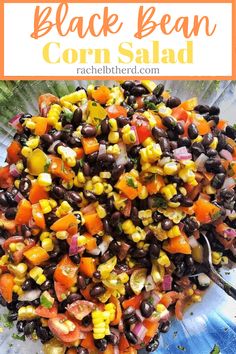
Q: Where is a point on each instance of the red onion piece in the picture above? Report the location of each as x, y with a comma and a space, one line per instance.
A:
18, 197
103, 246
230, 233
229, 183
139, 315
200, 162
14, 121
140, 331
73, 250
122, 158
2, 240
155, 298
192, 242
95, 251
13, 171
102, 150
149, 284
226, 155
182, 153
167, 282
116, 350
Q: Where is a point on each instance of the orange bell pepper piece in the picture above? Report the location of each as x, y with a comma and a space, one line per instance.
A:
133, 301
65, 223
159, 123
41, 124
38, 216
179, 113
152, 327
24, 212
101, 95
222, 124
60, 169
205, 211
93, 223
123, 344
155, 184
86, 292
177, 244
36, 255
128, 185
190, 104
6, 180
66, 271
169, 298
79, 152
37, 192
13, 152
90, 145
91, 242
6, 286
109, 350
118, 314
202, 125
87, 266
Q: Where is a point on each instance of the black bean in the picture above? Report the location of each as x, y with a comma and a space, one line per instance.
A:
2, 301
90, 196
211, 152
214, 110
106, 226
75, 258
131, 100
230, 132
28, 284
113, 339
81, 350
154, 250
73, 198
97, 274
128, 312
134, 215
104, 258
153, 345
20, 326
131, 337
192, 131
176, 287
115, 218
86, 169
173, 102
150, 98
10, 213
12, 317
46, 285
138, 90
77, 118
186, 202
169, 122
81, 282
212, 165
73, 297
197, 149
29, 328
218, 180
184, 141
58, 192
122, 121
10, 199
221, 142
229, 148
164, 144
131, 320
179, 128
88, 131
49, 270
164, 327
202, 109
86, 321
207, 139
105, 128
114, 247
47, 139
139, 253
43, 333
127, 85
157, 217
101, 344
215, 119
3, 200
97, 290
179, 270
158, 90
146, 308
158, 133
172, 134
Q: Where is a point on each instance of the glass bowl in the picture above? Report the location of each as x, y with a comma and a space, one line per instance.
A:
207, 324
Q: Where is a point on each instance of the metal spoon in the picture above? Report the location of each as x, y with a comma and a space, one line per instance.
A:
212, 273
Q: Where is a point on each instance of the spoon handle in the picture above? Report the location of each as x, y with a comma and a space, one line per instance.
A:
221, 282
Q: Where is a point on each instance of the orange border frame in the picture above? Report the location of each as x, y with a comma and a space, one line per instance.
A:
232, 77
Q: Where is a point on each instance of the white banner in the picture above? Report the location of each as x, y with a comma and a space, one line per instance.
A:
179, 40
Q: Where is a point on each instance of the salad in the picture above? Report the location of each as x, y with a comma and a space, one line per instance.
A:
103, 199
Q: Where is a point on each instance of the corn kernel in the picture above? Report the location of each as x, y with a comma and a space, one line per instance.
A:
96, 179
123, 277
143, 192
44, 179
30, 124
33, 142
189, 292
113, 137
12, 247
81, 241
89, 186
128, 227
214, 143
52, 203
81, 177
20, 166
98, 188
47, 244
44, 235
26, 151
196, 298
101, 212
35, 272
41, 279
62, 235
170, 168
113, 125
45, 206
105, 174
19, 281
174, 232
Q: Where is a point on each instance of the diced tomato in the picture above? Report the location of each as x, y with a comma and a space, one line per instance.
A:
61, 291
47, 313
169, 298
65, 272
118, 314
124, 344
87, 266
88, 342
179, 113
6, 286
6, 180
13, 239
115, 111
54, 325
143, 128
205, 211
80, 308
152, 327
13, 152
179, 308
133, 301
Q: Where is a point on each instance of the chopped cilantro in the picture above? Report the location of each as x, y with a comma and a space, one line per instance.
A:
234, 126
150, 105
134, 160
159, 202
46, 166
5, 321
215, 350
150, 299
18, 337
180, 347
81, 162
130, 182
94, 104
68, 115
